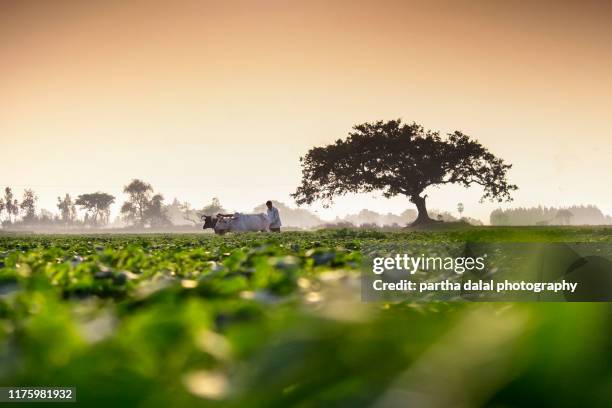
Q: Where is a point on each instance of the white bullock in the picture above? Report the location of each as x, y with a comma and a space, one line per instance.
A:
243, 223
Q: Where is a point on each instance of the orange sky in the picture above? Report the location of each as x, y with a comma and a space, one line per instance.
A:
221, 98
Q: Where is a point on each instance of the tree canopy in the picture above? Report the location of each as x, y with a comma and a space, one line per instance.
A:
155, 212
11, 205
97, 206
28, 204
67, 208
400, 159
141, 208
139, 196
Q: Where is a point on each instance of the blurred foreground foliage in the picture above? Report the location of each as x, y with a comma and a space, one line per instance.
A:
276, 320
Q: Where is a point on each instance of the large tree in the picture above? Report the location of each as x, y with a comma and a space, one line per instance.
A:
155, 213
398, 158
67, 209
11, 205
97, 206
28, 205
139, 198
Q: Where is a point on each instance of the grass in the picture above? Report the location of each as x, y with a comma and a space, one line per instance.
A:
276, 320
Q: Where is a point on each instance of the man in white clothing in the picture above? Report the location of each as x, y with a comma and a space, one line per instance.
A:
274, 217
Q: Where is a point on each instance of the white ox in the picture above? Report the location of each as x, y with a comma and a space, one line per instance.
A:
243, 223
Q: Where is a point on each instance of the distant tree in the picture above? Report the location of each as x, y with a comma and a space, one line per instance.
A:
8, 198
460, 209
564, 216
409, 215
139, 197
155, 213
28, 205
2, 206
366, 216
46, 217
580, 215
338, 224
67, 209
498, 217
11, 205
15, 209
214, 207
97, 206
472, 221
404, 159
179, 213
188, 213
444, 216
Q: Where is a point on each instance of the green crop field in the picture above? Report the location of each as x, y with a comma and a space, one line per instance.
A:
276, 320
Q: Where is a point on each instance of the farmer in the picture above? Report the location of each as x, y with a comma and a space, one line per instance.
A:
275, 221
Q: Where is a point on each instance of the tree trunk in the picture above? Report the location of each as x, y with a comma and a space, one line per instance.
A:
422, 216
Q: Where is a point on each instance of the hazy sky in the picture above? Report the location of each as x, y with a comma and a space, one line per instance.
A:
220, 98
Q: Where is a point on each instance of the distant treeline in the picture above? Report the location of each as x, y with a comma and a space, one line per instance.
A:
574, 215
371, 219
143, 208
